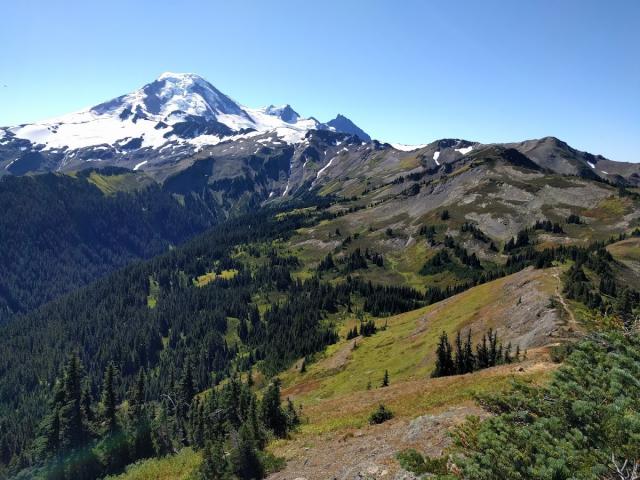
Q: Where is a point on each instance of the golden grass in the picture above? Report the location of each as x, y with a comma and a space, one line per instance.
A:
110, 184
174, 467
339, 381
202, 280
628, 249
610, 209
154, 293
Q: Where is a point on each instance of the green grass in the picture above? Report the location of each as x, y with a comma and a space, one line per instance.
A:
154, 293
406, 348
231, 335
202, 280
126, 182
628, 249
174, 467
610, 209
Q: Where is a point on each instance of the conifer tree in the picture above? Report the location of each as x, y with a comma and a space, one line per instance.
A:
49, 441
469, 365
292, 416
444, 362
86, 401
184, 397
493, 348
385, 379
303, 366
186, 387
244, 458
72, 431
482, 353
459, 360
113, 449
108, 404
214, 465
254, 425
141, 441
271, 413
507, 354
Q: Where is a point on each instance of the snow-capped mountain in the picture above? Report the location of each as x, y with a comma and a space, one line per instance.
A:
167, 119
169, 125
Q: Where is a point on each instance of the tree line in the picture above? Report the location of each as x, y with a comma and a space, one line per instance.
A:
461, 358
83, 439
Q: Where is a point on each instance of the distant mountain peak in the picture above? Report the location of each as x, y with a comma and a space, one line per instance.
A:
171, 97
283, 112
345, 125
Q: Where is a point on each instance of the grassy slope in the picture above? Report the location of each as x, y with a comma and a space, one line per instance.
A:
627, 252
336, 401
176, 467
406, 349
125, 182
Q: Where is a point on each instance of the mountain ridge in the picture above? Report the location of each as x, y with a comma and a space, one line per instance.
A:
164, 126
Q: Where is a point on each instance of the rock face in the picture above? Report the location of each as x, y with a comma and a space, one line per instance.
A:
343, 124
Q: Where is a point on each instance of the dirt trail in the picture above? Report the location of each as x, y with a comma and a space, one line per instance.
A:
573, 322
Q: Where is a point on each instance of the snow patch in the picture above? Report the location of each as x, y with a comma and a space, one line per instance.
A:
464, 150
407, 148
435, 157
87, 129
322, 170
10, 163
591, 165
140, 164
287, 188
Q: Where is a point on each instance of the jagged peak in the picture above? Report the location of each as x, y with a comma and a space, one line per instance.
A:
345, 125
285, 112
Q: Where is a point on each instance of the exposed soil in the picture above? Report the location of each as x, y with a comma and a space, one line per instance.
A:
369, 453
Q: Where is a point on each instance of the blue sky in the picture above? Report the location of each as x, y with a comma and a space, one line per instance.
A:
405, 71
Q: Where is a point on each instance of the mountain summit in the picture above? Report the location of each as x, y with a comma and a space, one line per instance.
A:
165, 120
343, 124
172, 97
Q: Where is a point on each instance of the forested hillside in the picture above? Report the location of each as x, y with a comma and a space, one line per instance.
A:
182, 353
59, 232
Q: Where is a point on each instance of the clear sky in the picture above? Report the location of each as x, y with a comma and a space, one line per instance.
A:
405, 71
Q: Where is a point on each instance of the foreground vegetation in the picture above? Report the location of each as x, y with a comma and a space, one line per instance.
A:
584, 424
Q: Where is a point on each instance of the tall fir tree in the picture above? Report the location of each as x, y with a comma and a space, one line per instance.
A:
385, 379
469, 358
459, 359
271, 413
444, 361
244, 458
72, 428
141, 445
108, 402
215, 465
